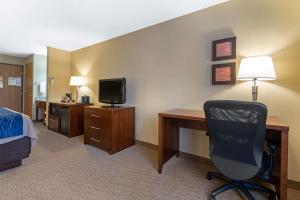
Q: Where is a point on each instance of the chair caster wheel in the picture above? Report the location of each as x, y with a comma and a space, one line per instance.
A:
272, 197
208, 177
212, 198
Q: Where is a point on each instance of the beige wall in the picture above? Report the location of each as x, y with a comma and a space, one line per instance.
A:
12, 60
29, 59
59, 67
169, 66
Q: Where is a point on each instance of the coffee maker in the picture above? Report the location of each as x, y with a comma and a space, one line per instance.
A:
85, 99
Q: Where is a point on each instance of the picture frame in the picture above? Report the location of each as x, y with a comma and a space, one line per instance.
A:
224, 74
224, 49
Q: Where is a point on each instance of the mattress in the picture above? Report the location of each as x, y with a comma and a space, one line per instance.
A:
28, 131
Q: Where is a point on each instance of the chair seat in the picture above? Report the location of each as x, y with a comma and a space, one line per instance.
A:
243, 172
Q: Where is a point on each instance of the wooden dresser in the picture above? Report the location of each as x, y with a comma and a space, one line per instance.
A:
110, 129
66, 118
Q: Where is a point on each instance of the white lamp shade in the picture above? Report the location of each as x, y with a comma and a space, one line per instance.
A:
259, 67
77, 81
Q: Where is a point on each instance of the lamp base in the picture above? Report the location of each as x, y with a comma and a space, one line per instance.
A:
254, 93
77, 96
254, 90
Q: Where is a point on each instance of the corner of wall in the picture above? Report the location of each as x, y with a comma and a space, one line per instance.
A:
59, 71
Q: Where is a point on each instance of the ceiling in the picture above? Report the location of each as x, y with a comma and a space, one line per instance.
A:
30, 26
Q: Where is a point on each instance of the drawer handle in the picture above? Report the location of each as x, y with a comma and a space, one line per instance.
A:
52, 120
97, 116
95, 140
93, 127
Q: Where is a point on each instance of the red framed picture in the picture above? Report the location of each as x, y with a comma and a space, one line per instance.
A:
224, 49
224, 74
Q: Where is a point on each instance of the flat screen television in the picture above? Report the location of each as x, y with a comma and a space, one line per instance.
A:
112, 91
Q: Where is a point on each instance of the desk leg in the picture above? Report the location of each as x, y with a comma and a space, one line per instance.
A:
168, 140
283, 166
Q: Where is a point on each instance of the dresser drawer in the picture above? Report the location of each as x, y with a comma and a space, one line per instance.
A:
95, 114
100, 140
93, 130
97, 120
97, 124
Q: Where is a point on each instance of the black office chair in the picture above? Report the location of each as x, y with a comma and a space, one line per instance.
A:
236, 131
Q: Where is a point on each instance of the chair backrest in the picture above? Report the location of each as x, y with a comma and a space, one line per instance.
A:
237, 131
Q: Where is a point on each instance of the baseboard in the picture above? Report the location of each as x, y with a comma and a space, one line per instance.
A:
146, 144
291, 184
196, 158
294, 185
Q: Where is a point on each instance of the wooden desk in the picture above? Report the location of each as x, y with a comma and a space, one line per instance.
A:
40, 104
171, 121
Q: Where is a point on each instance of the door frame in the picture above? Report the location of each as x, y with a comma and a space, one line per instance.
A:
22, 82
25, 75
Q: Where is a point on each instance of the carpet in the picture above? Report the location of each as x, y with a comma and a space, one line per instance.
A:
61, 168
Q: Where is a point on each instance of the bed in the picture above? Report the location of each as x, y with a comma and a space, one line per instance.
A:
17, 134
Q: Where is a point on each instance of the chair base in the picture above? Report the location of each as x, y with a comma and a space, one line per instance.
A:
243, 186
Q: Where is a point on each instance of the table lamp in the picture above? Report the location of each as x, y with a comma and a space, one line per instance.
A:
77, 81
256, 68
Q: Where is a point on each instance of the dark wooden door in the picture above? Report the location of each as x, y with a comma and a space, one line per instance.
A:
28, 89
11, 86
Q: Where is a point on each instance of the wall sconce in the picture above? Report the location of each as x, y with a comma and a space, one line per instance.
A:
50, 80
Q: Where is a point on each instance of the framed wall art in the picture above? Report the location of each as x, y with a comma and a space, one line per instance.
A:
224, 49
224, 74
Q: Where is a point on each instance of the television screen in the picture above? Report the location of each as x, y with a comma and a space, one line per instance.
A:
112, 91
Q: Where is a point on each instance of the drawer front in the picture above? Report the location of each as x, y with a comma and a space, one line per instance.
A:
97, 132
97, 125
95, 114
100, 140
97, 120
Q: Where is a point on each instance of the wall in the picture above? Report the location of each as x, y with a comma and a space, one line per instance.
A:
39, 76
169, 66
29, 59
39, 63
59, 67
12, 60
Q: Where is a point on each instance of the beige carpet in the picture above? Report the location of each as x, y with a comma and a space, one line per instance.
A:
60, 168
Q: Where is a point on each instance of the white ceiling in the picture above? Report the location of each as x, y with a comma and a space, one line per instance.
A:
29, 26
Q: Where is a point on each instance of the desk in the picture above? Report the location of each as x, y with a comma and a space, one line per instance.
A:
40, 104
171, 121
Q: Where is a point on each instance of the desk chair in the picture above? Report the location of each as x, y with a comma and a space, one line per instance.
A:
236, 132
